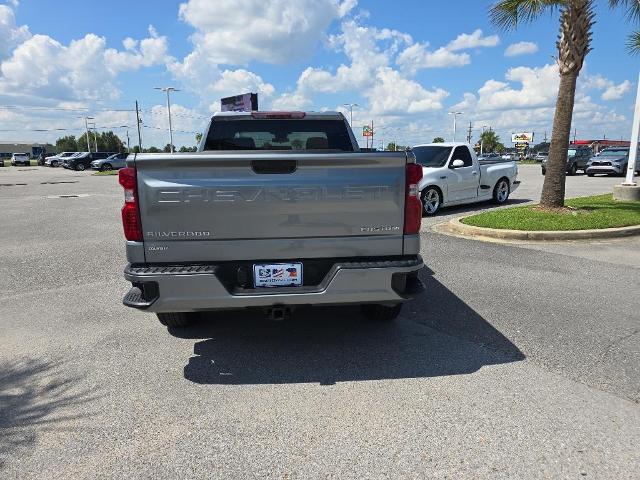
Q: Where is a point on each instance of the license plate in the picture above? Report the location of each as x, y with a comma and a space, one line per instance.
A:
277, 275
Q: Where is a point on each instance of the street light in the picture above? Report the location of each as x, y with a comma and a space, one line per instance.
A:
169, 90
350, 107
482, 140
455, 116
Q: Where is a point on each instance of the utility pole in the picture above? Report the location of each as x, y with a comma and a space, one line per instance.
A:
372, 133
138, 123
455, 116
350, 107
574, 135
86, 128
168, 90
95, 138
545, 136
128, 144
469, 134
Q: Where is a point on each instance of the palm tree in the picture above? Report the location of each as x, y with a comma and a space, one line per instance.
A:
574, 40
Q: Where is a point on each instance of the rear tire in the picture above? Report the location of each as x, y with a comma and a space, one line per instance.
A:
501, 191
431, 201
80, 167
381, 313
544, 172
176, 319
573, 170
106, 167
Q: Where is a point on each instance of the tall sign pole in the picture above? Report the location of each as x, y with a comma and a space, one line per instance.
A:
633, 148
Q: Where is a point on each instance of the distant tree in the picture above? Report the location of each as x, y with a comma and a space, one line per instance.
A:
198, 138
153, 150
67, 143
490, 141
135, 149
438, 140
541, 147
167, 148
110, 142
82, 143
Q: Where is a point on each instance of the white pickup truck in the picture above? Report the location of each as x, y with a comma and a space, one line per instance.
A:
452, 175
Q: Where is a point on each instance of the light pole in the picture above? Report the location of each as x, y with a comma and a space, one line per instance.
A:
95, 137
482, 140
350, 106
168, 90
455, 116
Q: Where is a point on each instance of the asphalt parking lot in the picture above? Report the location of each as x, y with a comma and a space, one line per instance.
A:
519, 361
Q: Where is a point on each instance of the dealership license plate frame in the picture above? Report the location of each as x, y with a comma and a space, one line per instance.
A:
272, 281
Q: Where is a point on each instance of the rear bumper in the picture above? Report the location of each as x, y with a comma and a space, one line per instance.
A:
188, 288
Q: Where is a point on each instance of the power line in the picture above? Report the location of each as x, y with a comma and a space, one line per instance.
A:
62, 109
166, 129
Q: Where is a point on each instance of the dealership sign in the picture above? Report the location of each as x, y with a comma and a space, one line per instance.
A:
246, 102
367, 131
524, 137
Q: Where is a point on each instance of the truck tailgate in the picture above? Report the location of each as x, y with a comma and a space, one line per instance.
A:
274, 205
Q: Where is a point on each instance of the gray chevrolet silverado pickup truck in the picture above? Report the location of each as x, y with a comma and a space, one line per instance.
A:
274, 211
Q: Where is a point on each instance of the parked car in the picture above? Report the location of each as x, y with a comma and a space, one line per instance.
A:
453, 175
541, 157
276, 210
577, 159
490, 156
56, 160
113, 162
20, 159
83, 161
612, 160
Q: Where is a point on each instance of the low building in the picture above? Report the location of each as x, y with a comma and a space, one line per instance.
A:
34, 149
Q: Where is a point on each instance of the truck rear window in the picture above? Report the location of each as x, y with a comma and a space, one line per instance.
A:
278, 134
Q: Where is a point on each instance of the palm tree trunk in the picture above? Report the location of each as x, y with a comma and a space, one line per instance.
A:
554, 180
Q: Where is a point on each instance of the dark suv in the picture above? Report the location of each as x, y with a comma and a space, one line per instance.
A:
83, 161
577, 158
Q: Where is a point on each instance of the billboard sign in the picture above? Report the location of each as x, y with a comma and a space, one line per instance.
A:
246, 102
525, 137
367, 131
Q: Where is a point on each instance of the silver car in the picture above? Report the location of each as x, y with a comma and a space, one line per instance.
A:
609, 161
113, 162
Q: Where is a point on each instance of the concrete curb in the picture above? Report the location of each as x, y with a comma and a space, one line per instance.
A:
457, 227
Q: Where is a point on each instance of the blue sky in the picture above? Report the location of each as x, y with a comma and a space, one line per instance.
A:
406, 63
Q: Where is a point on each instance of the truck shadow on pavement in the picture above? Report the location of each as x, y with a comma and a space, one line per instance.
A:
34, 397
436, 334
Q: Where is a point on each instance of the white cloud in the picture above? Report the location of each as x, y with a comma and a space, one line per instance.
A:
83, 70
418, 56
11, 35
369, 73
615, 92
465, 41
235, 32
520, 48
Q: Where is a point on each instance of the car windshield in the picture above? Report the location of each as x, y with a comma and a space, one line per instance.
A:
431, 156
614, 153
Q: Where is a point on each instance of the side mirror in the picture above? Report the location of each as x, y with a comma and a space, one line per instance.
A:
457, 163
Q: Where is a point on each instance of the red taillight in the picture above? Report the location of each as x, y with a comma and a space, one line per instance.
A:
412, 205
281, 115
130, 212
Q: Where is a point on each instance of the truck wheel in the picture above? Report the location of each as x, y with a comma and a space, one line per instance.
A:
590, 174
573, 170
381, 313
431, 201
501, 191
176, 319
80, 167
106, 167
544, 172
